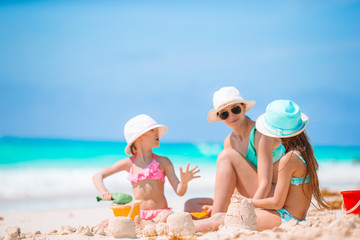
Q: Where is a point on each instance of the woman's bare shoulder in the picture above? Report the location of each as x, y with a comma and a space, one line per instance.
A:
274, 142
229, 140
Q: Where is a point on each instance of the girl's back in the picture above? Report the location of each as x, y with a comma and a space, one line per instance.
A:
299, 196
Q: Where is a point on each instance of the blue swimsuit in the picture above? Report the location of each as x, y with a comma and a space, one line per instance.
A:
251, 155
284, 214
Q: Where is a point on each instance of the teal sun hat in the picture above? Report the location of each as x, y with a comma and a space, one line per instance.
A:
282, 119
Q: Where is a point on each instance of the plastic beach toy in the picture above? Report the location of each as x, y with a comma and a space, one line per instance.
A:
199, 214
131, 209
118, 198
351, 201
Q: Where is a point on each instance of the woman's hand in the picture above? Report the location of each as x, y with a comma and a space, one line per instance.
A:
106, 196
188, 175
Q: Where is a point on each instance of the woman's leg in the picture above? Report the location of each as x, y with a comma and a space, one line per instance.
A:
232, 171
267, 219
209, 224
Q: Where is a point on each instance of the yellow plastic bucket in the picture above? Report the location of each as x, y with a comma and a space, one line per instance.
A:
131, 209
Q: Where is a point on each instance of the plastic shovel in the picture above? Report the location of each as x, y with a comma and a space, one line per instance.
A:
118, 198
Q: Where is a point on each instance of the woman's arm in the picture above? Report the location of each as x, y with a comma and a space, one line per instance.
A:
264, 166
180, 187
99, 177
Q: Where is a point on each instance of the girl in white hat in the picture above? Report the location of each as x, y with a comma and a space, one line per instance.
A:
248, 164
147, 171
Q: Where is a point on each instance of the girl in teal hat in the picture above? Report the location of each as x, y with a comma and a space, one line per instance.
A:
297, 179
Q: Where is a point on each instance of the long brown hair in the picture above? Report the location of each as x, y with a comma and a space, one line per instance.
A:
301, 144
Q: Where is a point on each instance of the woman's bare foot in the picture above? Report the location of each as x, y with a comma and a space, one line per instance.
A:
210, 224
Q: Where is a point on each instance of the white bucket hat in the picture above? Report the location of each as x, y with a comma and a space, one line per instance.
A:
139, 125
224, 97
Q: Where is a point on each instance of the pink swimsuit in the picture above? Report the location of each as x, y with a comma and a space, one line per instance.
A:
152, 171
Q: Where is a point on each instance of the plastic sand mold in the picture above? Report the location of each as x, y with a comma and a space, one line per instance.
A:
131, 209
199, 214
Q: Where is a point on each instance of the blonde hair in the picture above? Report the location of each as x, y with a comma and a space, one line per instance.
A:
302, 144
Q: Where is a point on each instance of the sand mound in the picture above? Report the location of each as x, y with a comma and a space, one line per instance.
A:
122, 227
12, 233
181, 224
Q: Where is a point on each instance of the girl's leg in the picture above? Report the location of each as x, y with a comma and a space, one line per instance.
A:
232, 171
161, 217
267, 219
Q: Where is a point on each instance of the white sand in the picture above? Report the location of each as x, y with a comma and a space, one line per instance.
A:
47, 221
79, 224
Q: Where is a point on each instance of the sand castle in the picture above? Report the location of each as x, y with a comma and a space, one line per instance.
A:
122, 227
240, 215
181, 224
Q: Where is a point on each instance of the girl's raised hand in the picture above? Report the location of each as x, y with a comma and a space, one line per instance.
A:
188, 175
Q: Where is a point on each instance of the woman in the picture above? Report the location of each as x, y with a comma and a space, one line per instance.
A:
248, 163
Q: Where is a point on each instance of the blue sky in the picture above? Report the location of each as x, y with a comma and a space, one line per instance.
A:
81, 69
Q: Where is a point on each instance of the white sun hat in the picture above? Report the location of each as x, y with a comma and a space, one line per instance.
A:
282, 119
224, 97
139, 125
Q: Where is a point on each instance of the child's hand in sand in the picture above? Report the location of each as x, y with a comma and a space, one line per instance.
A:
237, 197
187, 176
207, 208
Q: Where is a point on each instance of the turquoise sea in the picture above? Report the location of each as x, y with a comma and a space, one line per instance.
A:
39, 174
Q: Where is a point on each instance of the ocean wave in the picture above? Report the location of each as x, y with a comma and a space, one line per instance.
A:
51, 182
209, 149
57, 182
73, 187
34, 183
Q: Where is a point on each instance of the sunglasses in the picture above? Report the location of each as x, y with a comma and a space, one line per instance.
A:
225, 114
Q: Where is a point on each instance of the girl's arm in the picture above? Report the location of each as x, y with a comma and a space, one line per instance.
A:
99, 177
264, 167
286, 170
180, 187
